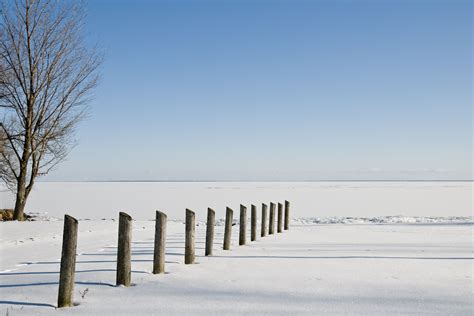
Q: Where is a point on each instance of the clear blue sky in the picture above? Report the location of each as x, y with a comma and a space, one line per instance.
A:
278, 90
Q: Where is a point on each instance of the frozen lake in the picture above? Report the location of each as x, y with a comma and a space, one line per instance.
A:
97, 200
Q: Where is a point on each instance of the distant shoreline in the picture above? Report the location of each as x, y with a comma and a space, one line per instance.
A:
250, 181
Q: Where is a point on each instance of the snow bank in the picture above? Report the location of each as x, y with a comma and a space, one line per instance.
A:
41, 216
398, 219
385, 220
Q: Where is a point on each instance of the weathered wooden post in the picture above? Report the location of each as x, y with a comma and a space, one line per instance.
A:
228, 228
211, 219
243, 225
263, 233
287, 215
124, 247
68, 262
189, 242
253, 223
160, 243
271, 224
280, 218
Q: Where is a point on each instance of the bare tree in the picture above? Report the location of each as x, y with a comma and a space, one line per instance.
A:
49, 75
5, 172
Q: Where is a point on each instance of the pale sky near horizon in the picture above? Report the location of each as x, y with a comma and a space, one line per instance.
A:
278, 90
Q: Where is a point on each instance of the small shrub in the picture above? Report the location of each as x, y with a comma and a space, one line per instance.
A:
7, 215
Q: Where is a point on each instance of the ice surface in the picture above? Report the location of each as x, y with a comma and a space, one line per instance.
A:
97, 200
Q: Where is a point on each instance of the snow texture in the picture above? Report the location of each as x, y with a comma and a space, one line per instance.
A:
354, 264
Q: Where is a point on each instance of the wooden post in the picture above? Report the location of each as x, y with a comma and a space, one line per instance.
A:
243, 224
271, 224
280, 218
189, 242
228, 227
211, 219
287, 215
68, 262
253, 223
124, 253
160, 243
263, 233
124, 250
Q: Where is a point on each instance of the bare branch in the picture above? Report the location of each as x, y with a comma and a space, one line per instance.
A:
46, 79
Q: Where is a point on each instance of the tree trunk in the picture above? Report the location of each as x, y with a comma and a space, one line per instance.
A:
20, 203
21, 191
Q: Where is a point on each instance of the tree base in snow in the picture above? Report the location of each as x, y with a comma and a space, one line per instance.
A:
7, 215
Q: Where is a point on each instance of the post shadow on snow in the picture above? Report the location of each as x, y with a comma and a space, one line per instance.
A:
355, 246
168, 241
151, 244
134, 247
346, 257
271, 299
26, 304
57, 272
95, 261
197, 248
138, 252
55, 283
141, 253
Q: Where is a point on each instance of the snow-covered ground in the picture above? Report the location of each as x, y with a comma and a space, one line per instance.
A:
311, 269
362, 261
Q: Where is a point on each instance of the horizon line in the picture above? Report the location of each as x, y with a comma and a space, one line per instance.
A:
320, 180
